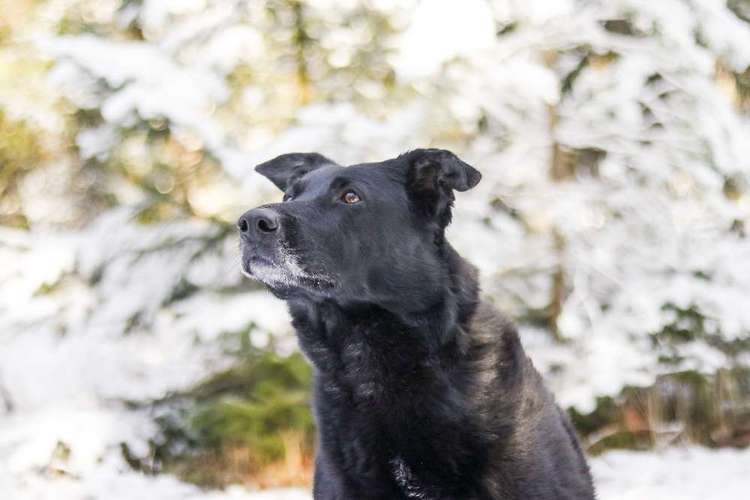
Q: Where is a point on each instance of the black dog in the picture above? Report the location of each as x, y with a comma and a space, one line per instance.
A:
422, 390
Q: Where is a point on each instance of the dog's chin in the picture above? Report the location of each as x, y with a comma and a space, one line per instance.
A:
285, 280
266, 272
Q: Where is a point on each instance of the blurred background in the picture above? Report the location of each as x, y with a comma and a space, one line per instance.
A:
611, 223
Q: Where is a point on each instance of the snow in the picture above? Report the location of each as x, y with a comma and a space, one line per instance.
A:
89, 319
114, 484
440, 31
674, 474
66, 370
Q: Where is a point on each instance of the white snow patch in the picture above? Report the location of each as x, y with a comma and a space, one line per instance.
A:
673, 474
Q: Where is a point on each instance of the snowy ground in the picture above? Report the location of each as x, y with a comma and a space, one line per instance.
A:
676, 474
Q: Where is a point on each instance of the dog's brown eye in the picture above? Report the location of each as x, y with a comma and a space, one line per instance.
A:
286, 197
350, 198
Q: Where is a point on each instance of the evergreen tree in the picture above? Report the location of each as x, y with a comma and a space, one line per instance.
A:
611, 221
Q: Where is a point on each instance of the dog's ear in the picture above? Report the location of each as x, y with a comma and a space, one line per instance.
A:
433, 175
284, 169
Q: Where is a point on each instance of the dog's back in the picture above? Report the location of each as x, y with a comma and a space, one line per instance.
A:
537, 454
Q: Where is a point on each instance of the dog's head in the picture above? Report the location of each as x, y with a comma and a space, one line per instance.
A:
364, 233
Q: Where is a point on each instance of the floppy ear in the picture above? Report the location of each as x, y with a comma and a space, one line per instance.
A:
284, 169
432, 177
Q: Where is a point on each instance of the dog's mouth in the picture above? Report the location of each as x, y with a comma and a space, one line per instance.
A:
283, 272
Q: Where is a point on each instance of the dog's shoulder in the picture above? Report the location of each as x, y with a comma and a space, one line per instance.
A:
536, 435
493, 341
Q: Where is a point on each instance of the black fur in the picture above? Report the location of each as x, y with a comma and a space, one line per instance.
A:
422, 390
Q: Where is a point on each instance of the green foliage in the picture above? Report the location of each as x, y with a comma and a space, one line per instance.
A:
254, 403
257, 422
20, 151
741, 8
689, 324
605, 412
621, 440
253, 406
688, 406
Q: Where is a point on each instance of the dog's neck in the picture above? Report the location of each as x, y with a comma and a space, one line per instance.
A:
464, 279
452, 311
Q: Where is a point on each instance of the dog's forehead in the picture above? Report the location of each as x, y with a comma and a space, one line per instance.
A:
322, 174
374, 174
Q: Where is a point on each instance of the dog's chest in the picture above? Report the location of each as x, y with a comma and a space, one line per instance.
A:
387, 366
409, 484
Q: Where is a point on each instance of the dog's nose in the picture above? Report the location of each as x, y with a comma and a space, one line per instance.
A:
263, 220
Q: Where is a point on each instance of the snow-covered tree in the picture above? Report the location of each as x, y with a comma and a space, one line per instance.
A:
611, 222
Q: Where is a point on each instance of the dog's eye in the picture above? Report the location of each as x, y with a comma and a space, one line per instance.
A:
286, 197
350, 198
